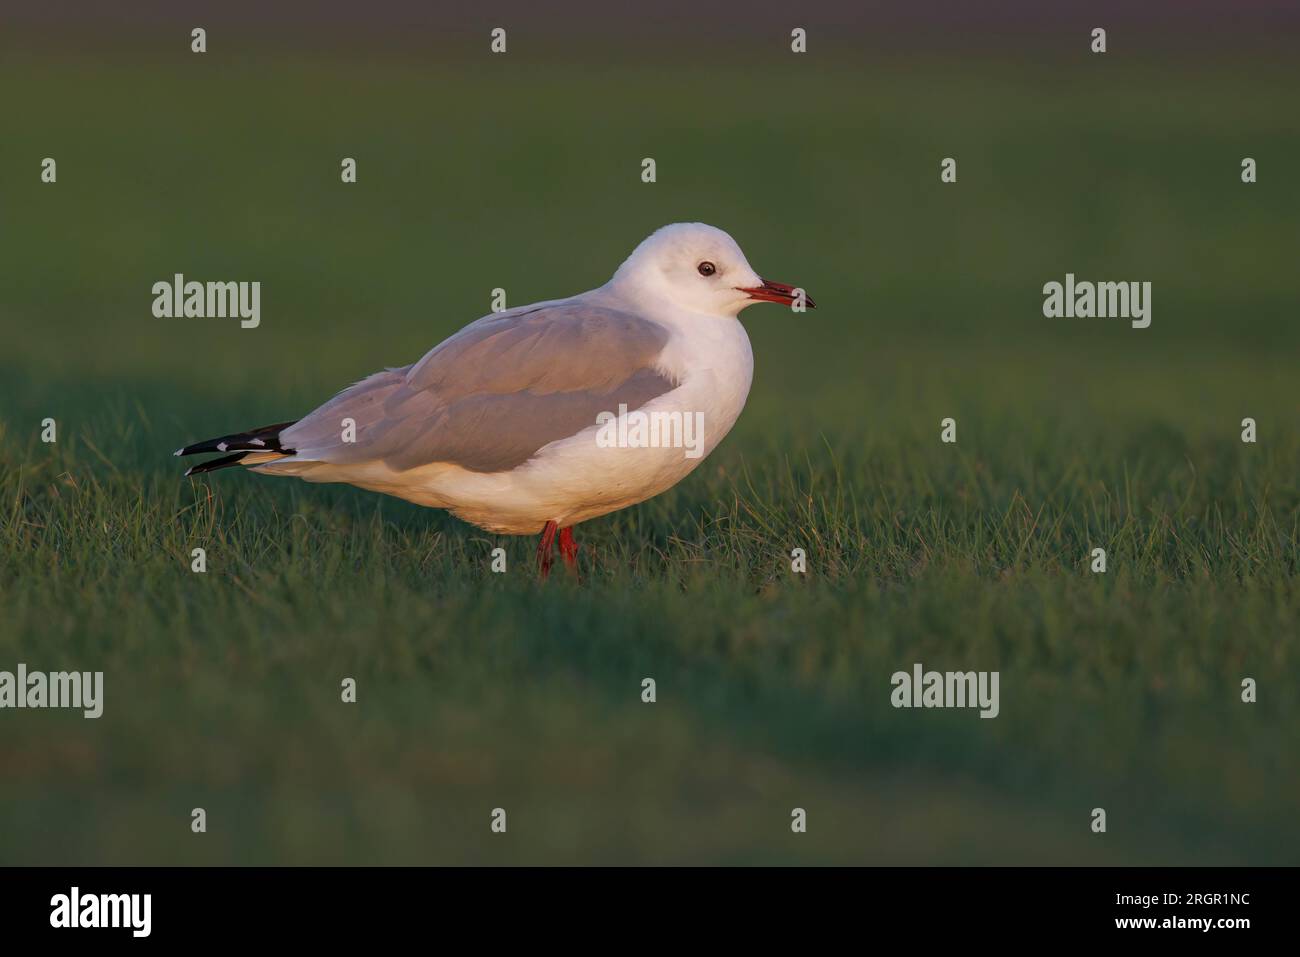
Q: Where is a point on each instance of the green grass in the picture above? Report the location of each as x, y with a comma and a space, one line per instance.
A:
479, 690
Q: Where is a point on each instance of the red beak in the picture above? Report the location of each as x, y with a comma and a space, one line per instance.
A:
776, 292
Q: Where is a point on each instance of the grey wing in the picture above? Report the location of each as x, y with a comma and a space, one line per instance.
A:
494, 393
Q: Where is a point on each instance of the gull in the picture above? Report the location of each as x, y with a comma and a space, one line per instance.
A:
532, 420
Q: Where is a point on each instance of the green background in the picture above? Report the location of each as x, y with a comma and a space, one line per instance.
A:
479, 691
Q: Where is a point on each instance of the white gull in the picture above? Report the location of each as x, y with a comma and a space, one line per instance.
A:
508, 423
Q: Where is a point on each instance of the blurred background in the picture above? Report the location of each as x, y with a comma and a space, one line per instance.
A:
522, 171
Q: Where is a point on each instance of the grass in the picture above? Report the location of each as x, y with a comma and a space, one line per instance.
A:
479, 690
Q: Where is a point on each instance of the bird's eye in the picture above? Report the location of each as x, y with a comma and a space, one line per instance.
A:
707, 268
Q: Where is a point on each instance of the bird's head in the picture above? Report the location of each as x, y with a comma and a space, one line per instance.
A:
698, 268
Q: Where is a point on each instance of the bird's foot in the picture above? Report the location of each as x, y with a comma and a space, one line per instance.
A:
569, 548
544, 550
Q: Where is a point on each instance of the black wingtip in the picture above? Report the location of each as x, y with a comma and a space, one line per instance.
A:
263, 439
211, 466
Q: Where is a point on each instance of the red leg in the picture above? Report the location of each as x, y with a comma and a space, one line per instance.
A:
544, 549
569, 548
